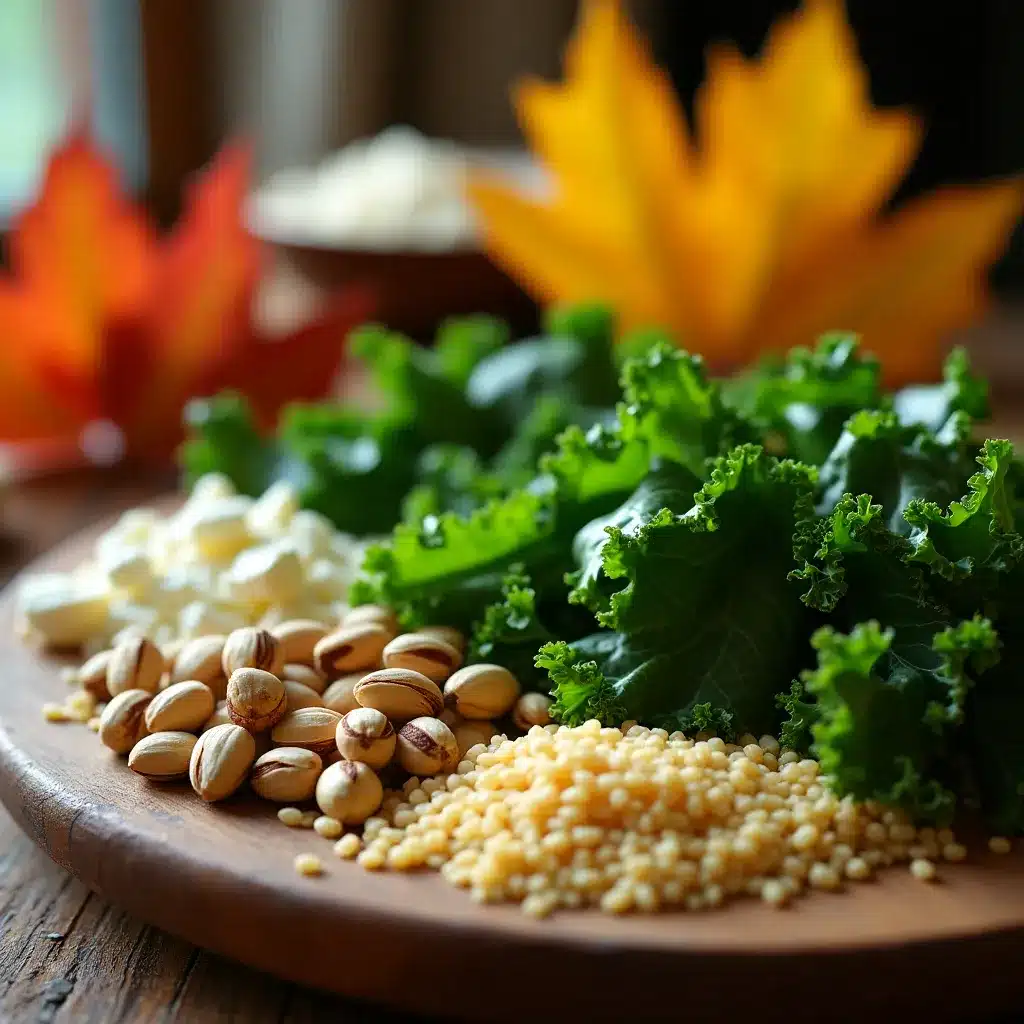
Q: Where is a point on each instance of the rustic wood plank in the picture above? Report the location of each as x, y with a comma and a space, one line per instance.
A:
213, 989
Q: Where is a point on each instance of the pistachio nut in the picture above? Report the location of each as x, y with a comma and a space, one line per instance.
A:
422, 653
426, 746
135, 664
256, 699
300, 696
481, 691
366, 735
349, 791
182, 707
296, 673
200, 659
339, 695
250, 647
399, 693
532, 709
220, 761
350, 649
286, 774
220, 716
469, 734
449, 634
92, 676
123, 722
378, 614
296, 639
310, 728
162, 756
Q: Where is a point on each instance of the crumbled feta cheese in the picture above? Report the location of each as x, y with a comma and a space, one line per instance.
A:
220, 562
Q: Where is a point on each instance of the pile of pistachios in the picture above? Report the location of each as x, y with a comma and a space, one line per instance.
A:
301, 711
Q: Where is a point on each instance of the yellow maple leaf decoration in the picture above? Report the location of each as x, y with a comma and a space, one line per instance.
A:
762, 230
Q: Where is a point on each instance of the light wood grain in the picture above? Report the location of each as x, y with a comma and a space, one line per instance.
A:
221, 876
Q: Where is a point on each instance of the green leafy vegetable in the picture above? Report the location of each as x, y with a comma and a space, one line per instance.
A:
805, 399
886, 714
933, 405
625, 533
511, 632
681, 633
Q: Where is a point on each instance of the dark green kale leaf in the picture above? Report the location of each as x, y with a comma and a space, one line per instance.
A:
667, 486
573, 361
887, 713
993, 735
511, 631
706, 616
420, 396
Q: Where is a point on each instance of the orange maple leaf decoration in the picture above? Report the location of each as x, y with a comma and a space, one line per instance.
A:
764, 229
101, 321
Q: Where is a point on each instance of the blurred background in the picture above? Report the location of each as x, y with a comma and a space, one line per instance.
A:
163, 82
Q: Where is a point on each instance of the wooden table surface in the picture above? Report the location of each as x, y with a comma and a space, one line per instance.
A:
65, 954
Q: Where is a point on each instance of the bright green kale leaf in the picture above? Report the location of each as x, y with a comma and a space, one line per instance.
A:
801, 714
419, 396
887, 714
932, 405
449, 478
516, 464
222, 438
579, 686
448, 568
805, 399
675, 409
706, 615
852, 555
976, 536
462, 342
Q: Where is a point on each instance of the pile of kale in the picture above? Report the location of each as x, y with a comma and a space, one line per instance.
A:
790, 551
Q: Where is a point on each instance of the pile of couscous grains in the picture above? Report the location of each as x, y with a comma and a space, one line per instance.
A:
636, 819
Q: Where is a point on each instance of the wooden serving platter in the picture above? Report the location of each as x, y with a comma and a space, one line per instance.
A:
221, 876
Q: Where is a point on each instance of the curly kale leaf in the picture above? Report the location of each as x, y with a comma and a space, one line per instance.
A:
887, 713
511, 632
976, 536
675, 409
462, 342
801, 714
572, 361
448, 567
804, 400
706, 615
418, 394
